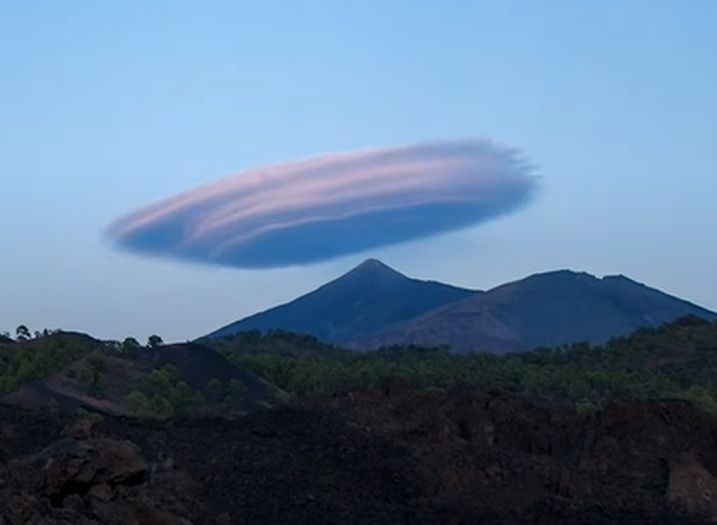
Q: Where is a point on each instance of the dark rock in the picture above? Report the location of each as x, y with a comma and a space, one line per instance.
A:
97, 480
79, 429
379, 457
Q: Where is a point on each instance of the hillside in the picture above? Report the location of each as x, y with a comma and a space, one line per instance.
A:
366, 300
621, 433
25, 361
161, 382
677, 360
542, 310
252, 371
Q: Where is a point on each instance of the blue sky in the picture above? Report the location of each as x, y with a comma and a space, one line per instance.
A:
107, 106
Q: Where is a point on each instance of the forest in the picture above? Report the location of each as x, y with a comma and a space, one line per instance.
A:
675, 360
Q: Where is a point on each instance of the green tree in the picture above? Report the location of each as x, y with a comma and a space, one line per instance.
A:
236, 394
160, 408
154, 341
22, 333
586, 406
139, 404
215, 391
130, 346
96, 361
702, 397
92, 377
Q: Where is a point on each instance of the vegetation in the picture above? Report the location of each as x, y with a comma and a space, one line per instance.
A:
33, 357
30, 360
677, 360
92, 376
130, 346
231, 395
22, 333
276, 342
160, 393
94, 417
163, 394
154, 341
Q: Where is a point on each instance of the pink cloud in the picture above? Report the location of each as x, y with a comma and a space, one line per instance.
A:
242, 220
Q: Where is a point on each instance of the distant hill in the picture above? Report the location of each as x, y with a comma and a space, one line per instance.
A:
181, 379
545, 309
374, 305
27, 361
367, 300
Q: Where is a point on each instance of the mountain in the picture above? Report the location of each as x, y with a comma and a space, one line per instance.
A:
374, 305
545, 309
367, 300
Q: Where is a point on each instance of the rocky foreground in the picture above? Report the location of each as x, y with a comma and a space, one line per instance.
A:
388, 456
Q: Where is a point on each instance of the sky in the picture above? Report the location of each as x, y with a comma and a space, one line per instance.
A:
108, 106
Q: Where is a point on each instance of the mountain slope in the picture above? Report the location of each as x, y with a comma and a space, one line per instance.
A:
368, 299
195, 366
544, 309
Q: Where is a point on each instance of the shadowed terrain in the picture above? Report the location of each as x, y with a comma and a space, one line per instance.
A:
367, 300
167, 380
546, 309
388, 456
374, 305
624, 433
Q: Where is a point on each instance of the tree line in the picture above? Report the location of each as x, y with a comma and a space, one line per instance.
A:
676, 360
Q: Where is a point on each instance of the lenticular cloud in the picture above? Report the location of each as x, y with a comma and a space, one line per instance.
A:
333, 204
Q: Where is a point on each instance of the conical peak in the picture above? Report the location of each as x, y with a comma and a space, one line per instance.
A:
374, 267
373, 264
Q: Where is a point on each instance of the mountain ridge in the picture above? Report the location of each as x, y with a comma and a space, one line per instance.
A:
544, 309
367, 299
374, 305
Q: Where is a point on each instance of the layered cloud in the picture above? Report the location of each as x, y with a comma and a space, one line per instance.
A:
331, 205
